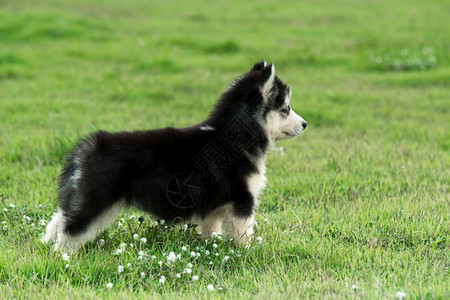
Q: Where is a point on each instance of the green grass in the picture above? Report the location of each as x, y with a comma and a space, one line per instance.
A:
361, 198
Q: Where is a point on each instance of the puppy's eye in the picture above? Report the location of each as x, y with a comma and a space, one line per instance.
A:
286, 110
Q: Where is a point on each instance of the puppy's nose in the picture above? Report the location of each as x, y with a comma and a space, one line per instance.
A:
304, 124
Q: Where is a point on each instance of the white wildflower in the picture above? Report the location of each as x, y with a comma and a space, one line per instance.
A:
189, 265
5, 209
226, 258
187, 271
171, 257
122, 245
207, 252
162, 221
65, 257
135, 236
178, 275
400, 295
259, 239
184, 248
118, 251
214, 245
354, 287
120, 269
143, 274
162, 280
193, 253
210, 287
132, 217
144, 240
12, 205
109, 285
194, 278
160, 263
279, 150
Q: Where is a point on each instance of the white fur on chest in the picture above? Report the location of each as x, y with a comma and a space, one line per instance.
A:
257, 181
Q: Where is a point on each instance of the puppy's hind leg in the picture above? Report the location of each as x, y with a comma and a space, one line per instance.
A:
82, 215
89, 199
52, 228
78, 230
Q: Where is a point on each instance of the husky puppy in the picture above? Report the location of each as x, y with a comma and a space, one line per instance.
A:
211, 173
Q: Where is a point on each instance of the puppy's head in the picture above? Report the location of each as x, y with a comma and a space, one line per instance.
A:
264, 97
278, 119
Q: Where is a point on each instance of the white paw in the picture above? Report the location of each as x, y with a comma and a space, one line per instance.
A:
51, 230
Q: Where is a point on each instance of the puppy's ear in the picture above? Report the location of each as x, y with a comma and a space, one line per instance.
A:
259, 65
267, 78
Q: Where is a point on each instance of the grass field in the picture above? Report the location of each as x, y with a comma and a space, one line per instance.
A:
356, 207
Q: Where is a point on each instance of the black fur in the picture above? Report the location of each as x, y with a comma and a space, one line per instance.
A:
139, 166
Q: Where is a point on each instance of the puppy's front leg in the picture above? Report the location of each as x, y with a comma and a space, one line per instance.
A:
239, 228
211, 223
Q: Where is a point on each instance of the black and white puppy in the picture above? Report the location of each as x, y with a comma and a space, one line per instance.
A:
210, 174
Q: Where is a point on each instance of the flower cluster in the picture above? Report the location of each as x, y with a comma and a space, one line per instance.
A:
406, 60
13, 216
175, 260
